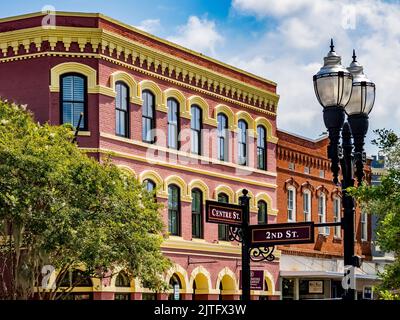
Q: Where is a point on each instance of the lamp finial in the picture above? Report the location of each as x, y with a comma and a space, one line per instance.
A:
332, 46
354, 56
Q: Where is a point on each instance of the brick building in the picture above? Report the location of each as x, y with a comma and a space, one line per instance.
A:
306, 193
128, 83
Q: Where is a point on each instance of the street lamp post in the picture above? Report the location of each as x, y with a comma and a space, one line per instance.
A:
343, 91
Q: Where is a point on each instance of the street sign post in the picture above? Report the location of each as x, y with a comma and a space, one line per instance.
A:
258, 241
283, 233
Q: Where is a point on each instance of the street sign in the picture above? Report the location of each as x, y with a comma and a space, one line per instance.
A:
283, 233
224, 213
256, 280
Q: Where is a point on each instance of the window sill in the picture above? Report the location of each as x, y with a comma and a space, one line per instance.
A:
200, 240
84, 133
337, 239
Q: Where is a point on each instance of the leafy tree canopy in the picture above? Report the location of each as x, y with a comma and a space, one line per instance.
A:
62, 208
384, 201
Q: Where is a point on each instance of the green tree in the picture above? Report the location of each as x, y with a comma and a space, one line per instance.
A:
384, 202
60, 207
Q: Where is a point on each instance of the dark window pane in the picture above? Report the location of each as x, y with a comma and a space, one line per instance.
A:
148, 120
196, 126
242, 140
262, 212
223, 229
197, 214
173, 210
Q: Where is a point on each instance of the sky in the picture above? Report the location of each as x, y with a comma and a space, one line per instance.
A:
284, 41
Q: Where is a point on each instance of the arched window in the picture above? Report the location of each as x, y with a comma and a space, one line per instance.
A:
174, 208
173, 123
291, 204
197, 213
307, 205
222, 137
336, 216
223, 229
122, 280
261, 148
196, 126
176, 285
262, 212
148, 116
76, 278
242, 140
322, 213
74, 99
122, 110
150, 185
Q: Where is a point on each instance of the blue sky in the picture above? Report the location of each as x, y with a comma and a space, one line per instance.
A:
284, 41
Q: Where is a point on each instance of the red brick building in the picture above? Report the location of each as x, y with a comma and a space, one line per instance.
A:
128, 83
306, 193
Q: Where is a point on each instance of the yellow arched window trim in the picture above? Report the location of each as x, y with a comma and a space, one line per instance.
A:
268, 200
181, 184
225, 189
221, 108
201, 186
129, 81
243, 115
73, 67
261, 121
204, 107
155, 89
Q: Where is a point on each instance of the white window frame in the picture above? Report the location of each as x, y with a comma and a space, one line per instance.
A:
322, 214
364, 226
337, 210
307, 214
307, 170
291, 166
322, 173
291, 216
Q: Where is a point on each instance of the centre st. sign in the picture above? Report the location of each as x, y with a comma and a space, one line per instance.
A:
283, 233
224, 213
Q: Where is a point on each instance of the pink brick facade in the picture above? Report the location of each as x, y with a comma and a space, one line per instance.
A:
211, 265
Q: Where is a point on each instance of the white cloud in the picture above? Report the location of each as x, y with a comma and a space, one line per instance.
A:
149, 25
293, 51
199, 35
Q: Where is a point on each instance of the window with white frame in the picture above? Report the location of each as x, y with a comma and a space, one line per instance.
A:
291, 204
322, 213
291, 166
322, 173
307, 205
307, 170
364, 227
337, 215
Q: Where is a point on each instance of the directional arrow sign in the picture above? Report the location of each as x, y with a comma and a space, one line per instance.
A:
283, 233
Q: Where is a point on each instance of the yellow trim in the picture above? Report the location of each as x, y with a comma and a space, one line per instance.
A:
180, 243
224, 189
181, 273
203, 280
127, 169
108, 92
205, 109
154, 176
267, 198
268, 126
253, 203
155, 89
229, 282
180, 167
73, 67
84, 133
178, 96
243, 115
129, 81
221, 108
197, 183
187, 154
104, 38
178, 181
129, 27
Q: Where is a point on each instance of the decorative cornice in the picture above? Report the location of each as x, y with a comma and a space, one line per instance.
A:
119, 49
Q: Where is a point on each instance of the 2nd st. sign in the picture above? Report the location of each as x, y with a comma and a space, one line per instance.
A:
284, 233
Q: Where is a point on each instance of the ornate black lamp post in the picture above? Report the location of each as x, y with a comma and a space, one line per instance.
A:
340, 91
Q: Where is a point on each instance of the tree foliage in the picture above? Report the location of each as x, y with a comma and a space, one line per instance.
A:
62, 208
384, 201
